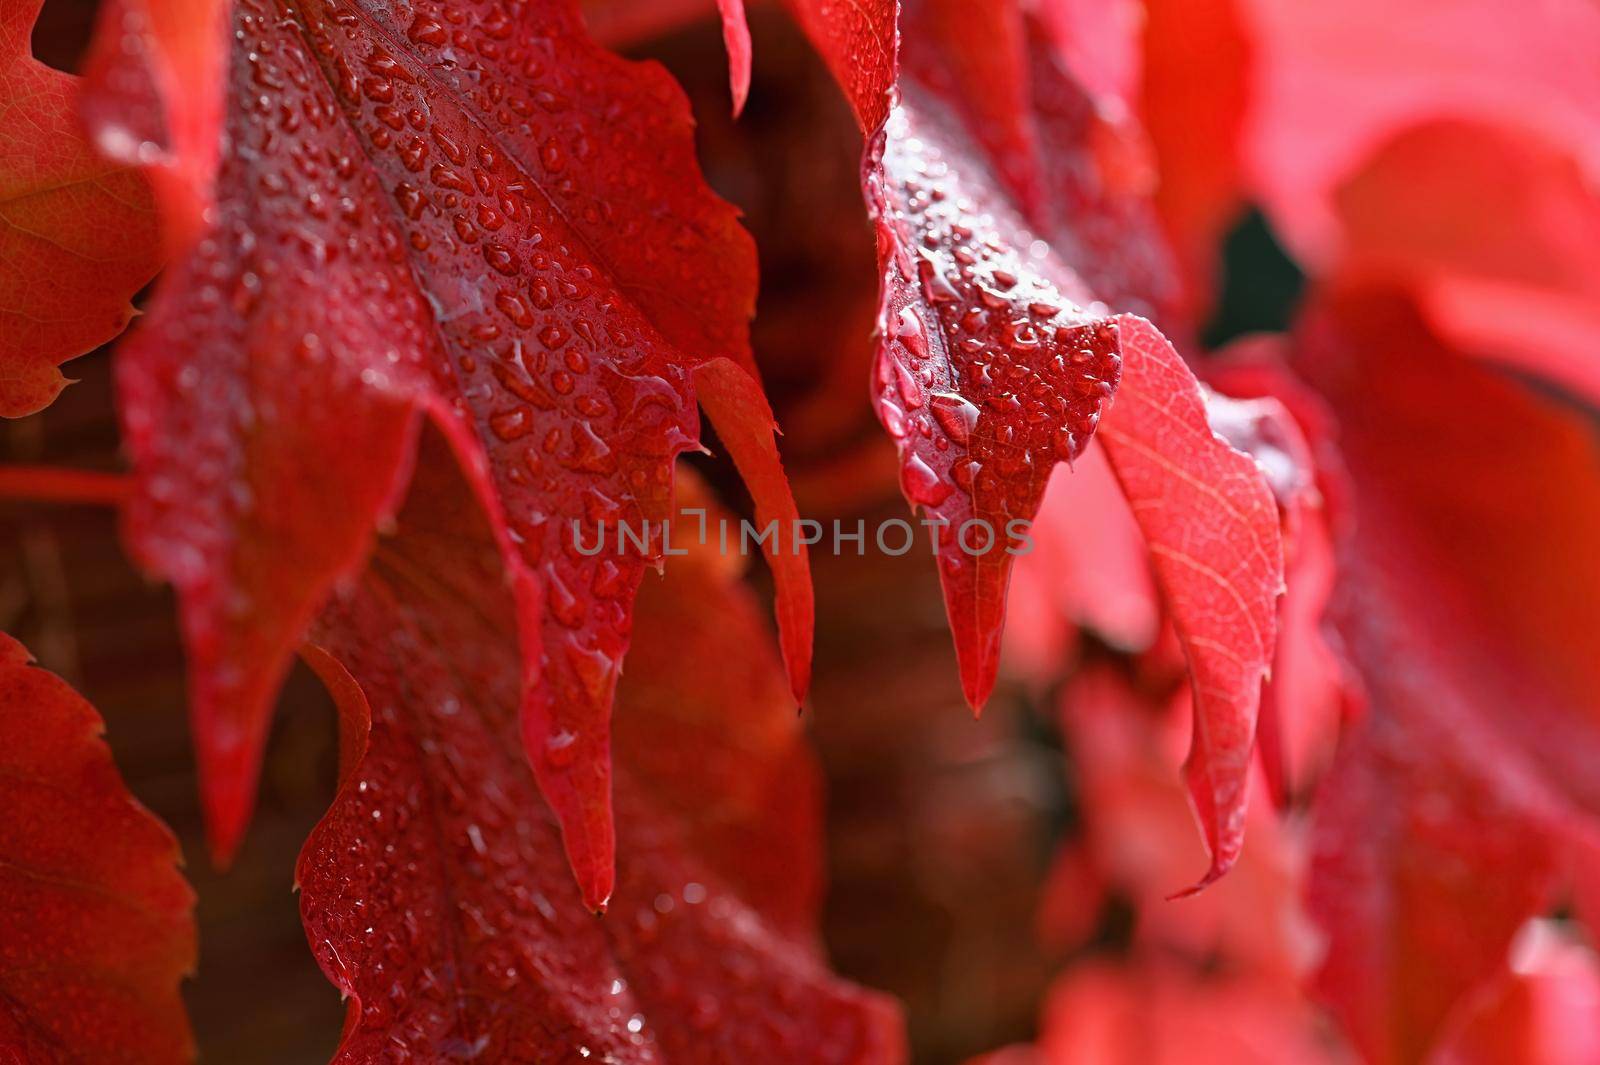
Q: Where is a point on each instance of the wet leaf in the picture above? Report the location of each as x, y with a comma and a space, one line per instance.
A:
433, 892
995, 358
490, 223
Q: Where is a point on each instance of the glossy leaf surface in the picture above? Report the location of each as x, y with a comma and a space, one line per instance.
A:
476, 216
434, 892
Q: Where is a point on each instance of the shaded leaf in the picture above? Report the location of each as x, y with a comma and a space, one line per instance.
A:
1468, 606
96, 924
1332, 84
434, 894
1495, 233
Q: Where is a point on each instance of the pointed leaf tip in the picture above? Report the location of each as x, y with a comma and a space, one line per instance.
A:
1210, 521
736, 38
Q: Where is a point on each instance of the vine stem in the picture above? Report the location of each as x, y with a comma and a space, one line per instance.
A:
54, 484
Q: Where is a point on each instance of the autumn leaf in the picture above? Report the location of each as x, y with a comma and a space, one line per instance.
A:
1137, 840
448, 294
457, 214
433, 893
1211, 525
989, 370
981, 402
997, 360
1334, 84
1457, 809
96, 923
78, 235
1312, 690
1520, 282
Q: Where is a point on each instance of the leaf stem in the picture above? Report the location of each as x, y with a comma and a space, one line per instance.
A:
54, 484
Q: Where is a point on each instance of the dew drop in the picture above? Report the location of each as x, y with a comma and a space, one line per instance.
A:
908, 330
956, 416
561, 748
921, 484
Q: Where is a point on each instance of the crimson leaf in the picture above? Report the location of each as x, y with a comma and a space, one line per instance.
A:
433, 891
1468, 603
96, 923
1007, 207
476, 214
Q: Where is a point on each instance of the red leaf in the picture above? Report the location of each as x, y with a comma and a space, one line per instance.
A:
1210, 522
96, 925
860, 42
1470, 610
989, 371
536, 265
1334, 82
154, 98
736, 38
1497, 236
1138, 836
981, 404
432, 892
77, 234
